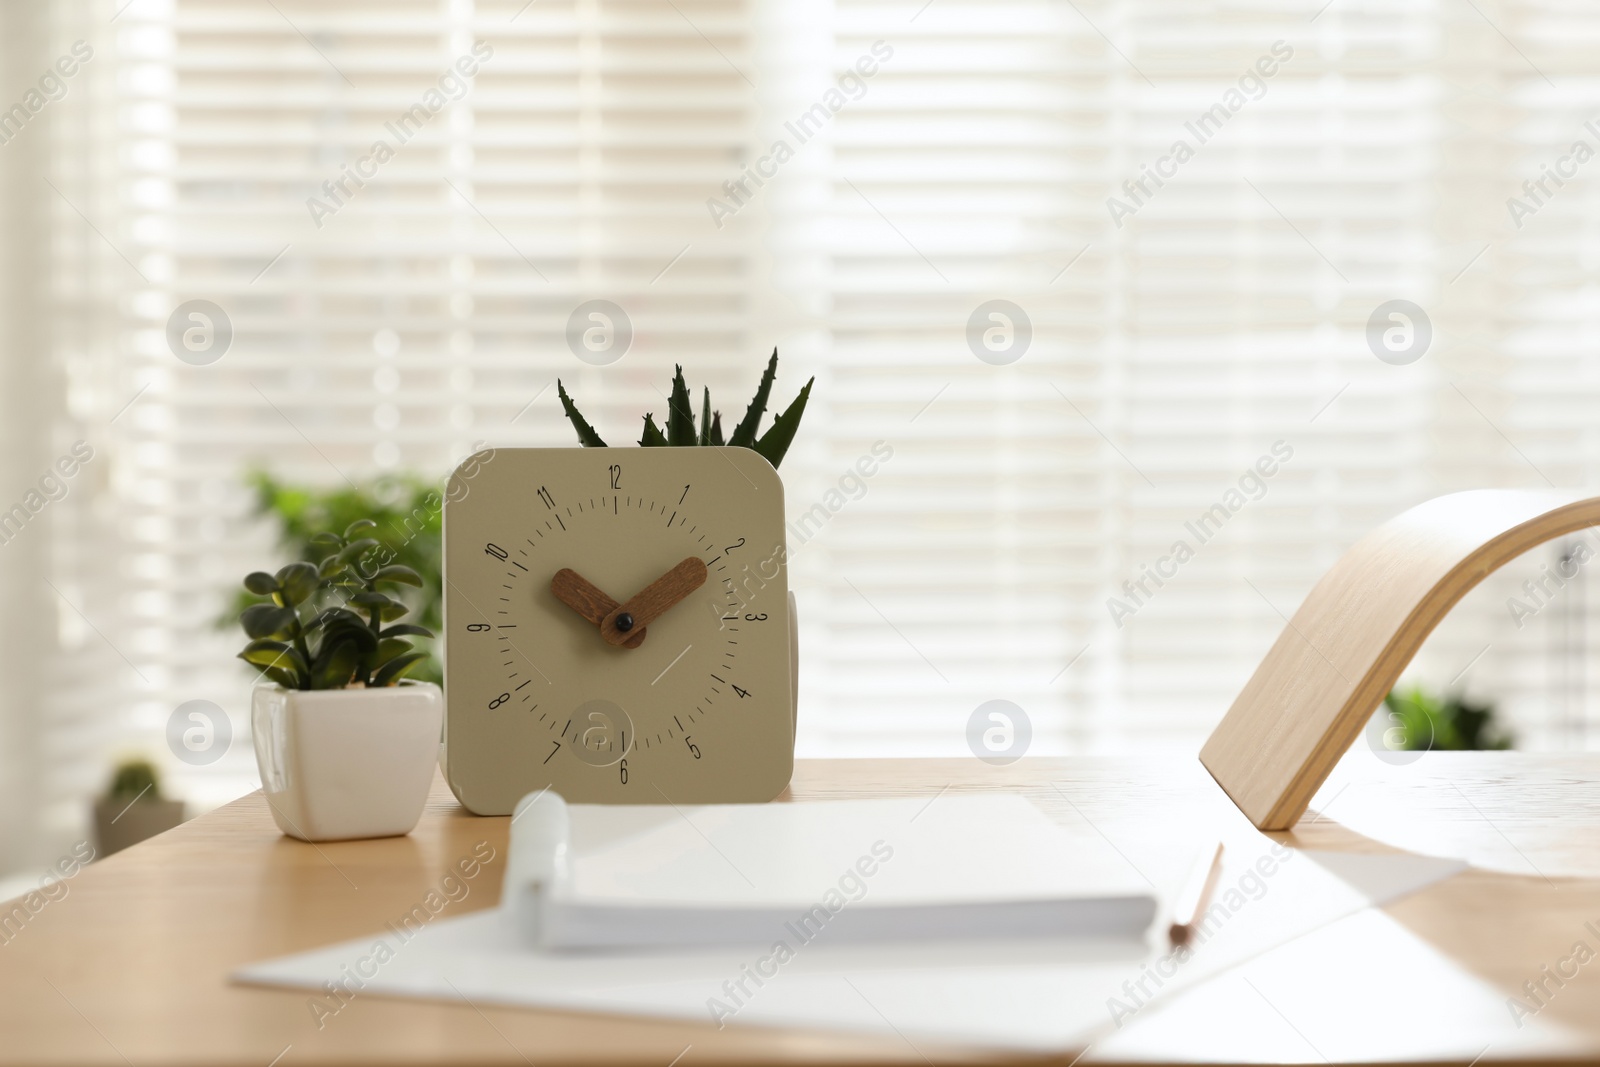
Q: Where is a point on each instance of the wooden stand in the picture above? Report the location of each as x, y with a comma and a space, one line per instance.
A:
1362, 623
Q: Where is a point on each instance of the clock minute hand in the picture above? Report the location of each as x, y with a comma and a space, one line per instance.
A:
588, 600
653, 601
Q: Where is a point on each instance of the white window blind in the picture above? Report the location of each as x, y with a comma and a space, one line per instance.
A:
613, 150
391, 306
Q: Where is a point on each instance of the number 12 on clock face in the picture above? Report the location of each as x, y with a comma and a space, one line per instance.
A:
618, 627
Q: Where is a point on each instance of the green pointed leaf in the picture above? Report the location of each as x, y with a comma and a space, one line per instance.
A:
775, 442
745, 433
680, 413
273, 654
652, 433
335, 665
388, 608
398, 573
705, 418
260, 583
284, 678
406, 629
716, 429
336, 616
388, 649
297, 582
357, 526
391, 672
266, 620
326, 540
354, 549
363, 637
586, 435
331, 566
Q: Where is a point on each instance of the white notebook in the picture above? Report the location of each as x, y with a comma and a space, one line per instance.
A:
588, 876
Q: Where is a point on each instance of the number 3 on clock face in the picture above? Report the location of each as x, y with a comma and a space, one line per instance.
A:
618, 627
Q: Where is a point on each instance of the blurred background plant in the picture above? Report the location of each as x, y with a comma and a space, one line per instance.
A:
1422, 721
132, 808
408, 512
133, 779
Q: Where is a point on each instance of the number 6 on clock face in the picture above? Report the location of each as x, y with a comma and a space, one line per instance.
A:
618, 627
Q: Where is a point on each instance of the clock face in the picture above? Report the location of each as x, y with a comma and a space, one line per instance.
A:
617, 627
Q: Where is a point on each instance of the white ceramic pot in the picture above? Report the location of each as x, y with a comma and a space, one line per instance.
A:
344, 763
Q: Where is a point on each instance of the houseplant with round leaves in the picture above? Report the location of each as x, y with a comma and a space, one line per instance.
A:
408, 511
346, 745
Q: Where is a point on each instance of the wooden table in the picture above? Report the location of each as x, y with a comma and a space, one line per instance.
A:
131, 965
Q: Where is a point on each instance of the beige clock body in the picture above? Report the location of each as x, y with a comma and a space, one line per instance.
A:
702, 711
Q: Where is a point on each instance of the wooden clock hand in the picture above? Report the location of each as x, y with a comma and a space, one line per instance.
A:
589, 601
653, 601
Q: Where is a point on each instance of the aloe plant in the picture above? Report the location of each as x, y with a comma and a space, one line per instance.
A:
310, 633
680, 429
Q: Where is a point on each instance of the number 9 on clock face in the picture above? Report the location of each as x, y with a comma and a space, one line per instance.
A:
618, 627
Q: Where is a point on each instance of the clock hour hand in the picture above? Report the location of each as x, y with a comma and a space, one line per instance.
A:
589, 601
653, 601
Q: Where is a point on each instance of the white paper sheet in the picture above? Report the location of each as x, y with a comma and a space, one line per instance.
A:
1410, 1002
1038, 995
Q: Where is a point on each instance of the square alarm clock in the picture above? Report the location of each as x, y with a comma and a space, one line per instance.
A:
618, 627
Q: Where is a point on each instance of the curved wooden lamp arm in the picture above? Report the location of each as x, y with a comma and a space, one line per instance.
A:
1356, 631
